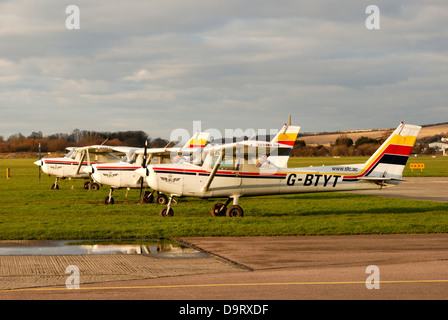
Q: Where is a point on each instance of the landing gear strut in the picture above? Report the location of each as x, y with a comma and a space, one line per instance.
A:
109, 199
167, 211
55, 186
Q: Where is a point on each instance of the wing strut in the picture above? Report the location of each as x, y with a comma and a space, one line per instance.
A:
80, 162
212, 174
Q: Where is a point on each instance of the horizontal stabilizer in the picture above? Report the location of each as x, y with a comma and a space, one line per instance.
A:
380, 179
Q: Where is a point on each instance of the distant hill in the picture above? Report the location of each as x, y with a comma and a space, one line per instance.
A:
330, 138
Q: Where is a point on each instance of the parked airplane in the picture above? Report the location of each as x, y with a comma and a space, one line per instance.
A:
73, 163
215, 179
251, 162
123, 174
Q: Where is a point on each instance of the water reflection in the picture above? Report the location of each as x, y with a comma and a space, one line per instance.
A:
160, 248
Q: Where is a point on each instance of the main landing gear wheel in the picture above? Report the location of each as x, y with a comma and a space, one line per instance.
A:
161, 199
94, 186
234, 211
218, 210
91, 186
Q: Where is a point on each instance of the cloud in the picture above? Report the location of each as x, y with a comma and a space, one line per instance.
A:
159, 65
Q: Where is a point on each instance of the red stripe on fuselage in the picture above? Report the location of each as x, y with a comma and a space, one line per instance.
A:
222, 172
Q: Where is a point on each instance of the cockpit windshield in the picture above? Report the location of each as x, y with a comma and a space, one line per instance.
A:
70, 154
129, 157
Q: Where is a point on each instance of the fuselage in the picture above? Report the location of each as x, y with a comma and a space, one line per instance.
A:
63, 168
189, 180
117, 175
72, 165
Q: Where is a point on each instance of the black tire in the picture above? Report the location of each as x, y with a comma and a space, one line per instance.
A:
54, 186
234, 211
86, 185
218, 210
161, 199
148, 197
106, 200
165, 213
94, 186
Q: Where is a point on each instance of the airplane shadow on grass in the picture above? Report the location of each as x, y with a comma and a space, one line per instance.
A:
337, 203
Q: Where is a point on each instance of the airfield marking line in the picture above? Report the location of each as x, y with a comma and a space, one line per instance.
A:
222, 285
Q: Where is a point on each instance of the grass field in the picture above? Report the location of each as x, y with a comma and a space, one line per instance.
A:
30, 210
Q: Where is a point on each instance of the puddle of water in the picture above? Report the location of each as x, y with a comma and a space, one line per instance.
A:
159, 248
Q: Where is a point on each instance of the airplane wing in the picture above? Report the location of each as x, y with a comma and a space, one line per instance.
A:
103, 149
248, 147
97, 150
122, 149
196, 143
282, 143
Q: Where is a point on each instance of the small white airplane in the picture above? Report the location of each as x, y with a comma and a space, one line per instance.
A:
223, 176
123, 174
72, 164
250, 161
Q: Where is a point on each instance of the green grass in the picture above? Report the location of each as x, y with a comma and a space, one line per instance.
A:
30, 210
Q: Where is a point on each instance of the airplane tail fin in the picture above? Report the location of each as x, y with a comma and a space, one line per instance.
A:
388, 162
198, 140
193, 148
286, 136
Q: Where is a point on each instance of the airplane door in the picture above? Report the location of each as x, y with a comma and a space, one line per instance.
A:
227, 179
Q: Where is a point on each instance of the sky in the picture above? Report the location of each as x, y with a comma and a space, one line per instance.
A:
162, 65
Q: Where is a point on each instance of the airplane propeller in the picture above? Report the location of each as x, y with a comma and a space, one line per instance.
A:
40, 157
145, 153
40, 162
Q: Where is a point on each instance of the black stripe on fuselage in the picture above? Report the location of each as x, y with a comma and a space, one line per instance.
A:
222, 175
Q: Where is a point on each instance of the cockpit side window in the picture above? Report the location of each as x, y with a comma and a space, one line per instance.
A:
70, 154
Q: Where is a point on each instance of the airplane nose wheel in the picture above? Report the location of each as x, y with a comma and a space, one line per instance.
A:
167, 211
109, 199
55, 186
148, 197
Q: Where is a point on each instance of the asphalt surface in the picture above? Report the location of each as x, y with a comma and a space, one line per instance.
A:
370, 267
294, 268
428, 189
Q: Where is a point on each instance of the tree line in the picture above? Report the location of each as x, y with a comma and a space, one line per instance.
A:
60, 141
343, 146
363, 146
